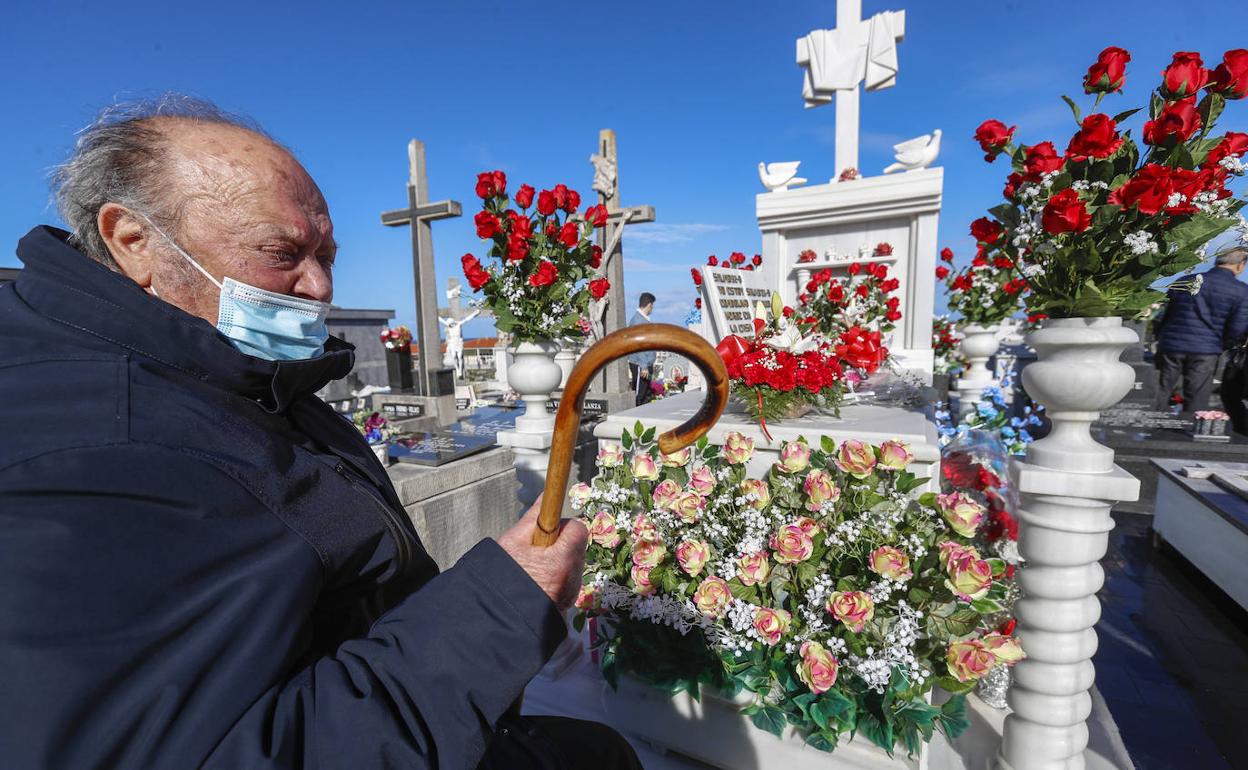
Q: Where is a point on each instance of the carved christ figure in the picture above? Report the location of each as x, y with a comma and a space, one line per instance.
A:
454, 356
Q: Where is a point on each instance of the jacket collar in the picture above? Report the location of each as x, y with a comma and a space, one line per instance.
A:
65, 285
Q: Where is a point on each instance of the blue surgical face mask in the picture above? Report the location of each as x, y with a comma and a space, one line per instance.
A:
265, 324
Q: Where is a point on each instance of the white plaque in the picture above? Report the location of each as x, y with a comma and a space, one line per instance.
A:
730, 298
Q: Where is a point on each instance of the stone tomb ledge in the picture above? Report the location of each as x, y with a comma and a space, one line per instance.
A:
456, 505
867, 422
1206, 520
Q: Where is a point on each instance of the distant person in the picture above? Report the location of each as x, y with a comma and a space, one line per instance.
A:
641, 365
1205, 314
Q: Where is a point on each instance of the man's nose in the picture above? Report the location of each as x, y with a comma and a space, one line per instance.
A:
316, 280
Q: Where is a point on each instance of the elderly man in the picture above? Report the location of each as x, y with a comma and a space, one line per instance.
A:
201, 564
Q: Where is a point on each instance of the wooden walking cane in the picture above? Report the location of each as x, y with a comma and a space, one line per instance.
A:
618, 344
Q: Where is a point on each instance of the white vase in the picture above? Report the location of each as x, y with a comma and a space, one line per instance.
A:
535, 376
566, 359
1069, 484
979, 343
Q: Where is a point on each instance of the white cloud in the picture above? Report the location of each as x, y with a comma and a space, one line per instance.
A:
656, 232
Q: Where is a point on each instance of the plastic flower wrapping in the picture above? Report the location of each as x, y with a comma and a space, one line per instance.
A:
833, 592
992, 415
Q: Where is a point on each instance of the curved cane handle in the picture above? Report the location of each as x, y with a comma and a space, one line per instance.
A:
615, 345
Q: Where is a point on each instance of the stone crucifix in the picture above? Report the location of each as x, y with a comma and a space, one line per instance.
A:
836, 61
610, 313
420, 214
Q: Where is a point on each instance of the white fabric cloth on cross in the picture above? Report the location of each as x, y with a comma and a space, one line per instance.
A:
840, 59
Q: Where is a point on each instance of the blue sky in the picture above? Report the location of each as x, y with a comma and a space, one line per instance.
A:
697, 92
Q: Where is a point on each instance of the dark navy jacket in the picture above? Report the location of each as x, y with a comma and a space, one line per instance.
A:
1214, 319
201, 564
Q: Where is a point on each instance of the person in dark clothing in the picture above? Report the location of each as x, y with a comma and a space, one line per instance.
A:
641, 365
201, 563
1235, 372
1205, 314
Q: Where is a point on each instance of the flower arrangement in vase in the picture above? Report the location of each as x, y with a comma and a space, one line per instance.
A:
985, 292
863, 299
398, 345
829, 595
945, 346
375, 429
545, 263
398, 339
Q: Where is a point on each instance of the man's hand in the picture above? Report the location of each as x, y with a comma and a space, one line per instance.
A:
557, 568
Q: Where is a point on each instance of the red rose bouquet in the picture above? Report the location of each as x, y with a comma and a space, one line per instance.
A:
945, 346
546, 264
398, 338
987, 291
864, 299
1092, 227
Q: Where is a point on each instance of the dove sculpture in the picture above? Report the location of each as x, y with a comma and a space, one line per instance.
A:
916, 153
780, 176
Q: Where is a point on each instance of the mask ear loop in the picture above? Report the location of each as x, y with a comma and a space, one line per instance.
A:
185, 256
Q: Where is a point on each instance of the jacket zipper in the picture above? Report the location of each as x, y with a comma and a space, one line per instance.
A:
388, 517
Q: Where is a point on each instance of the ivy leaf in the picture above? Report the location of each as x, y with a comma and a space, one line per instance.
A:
823, 740
771, 719
877, 731
953, 721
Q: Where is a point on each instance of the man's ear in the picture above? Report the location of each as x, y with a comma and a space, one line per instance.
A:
128, 238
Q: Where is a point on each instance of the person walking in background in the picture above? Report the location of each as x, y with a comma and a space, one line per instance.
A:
641, 365
1205, 314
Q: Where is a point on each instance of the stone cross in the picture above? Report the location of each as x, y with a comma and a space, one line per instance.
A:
836, 61
611, 313
419, 214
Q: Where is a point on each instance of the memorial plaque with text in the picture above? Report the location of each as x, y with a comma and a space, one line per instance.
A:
730, 298
437, 447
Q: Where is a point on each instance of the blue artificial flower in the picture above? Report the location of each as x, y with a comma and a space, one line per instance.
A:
986, 410
1025, 437
694, 317
1008, 432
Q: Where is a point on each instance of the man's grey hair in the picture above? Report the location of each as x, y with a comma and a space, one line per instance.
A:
123, 157
1231, 256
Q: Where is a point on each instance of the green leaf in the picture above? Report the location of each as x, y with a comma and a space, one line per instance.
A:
827, 444
626, 440
951, 685
823, 740
1197, 231
1125, 114
953, 721
578, 621
1210, 109
986, 606
638, 428
877, 731
1154, 105
1074, 109
928, 499
771, 719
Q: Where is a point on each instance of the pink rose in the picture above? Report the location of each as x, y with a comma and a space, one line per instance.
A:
758, 489
791, 544
641, 581
1006, 649
579, 495
794, 457
771, 624
738, 448
962, 512
644, 529
855, 458
648, 553
895, 455
644, 468
808, 525
969, 660
853, 608
677, 459
753, 568
611, 455
587, 599
892, 563
702, 481
689, 507
818, 667
970, 579
712, 596
602, 530
665, 493
820, 489
952, 553
692, 555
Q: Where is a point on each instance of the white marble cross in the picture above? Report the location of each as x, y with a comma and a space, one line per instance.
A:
836, 61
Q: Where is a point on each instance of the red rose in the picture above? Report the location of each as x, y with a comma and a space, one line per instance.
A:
993, 137
712, 260
570, 234
881, 270
862, 290
524, 196
946, 254
517, 248
787, 312
1041, 159
757, 260
545, 275
1097, 139
1011, 185
884, 250
854, 268
836, 293
596, 215
572, 201
1184, 77
561, 195
697, 302
892, 315
598, 288
1177, 121
890, 285
1065, 213
736, 258
1234, 143
546, 203
1109, 72
942, 272
980, 260
696, 275
477, 277
595, 257
892, 303
1148, 190
1002, 263
1230, 78
470, 262
487, 224
491, 183
986, 230
1187, 184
